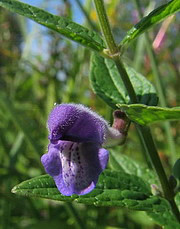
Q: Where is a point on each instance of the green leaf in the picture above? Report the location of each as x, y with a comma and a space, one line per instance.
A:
113, 189
162, 214
144, 115
152, 19
106, 83
62, 25
122, 162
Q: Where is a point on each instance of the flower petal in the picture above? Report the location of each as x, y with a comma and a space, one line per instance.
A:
75, 123
51, 161
80, 167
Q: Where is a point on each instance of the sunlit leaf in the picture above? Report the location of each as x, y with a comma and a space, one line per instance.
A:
62, 25
113, 189
107, 83
144, 115
152, 19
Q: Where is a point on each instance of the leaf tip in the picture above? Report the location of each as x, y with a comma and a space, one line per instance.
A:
14, 189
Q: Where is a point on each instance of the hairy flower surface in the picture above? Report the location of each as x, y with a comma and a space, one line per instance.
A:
75, 155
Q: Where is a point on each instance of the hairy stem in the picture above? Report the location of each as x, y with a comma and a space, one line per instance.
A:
113, 48
150, 147
125, 79
105, 27
144, 131
159, 86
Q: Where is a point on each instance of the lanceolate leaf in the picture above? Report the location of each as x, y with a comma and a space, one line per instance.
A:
113, 189
107, 83
144, 115
62, 25
152, 19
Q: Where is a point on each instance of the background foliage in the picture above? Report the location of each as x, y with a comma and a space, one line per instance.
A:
39, 68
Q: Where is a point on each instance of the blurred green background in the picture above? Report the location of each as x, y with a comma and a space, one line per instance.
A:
39, 68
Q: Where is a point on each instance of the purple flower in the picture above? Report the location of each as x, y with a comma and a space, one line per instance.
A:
75, 155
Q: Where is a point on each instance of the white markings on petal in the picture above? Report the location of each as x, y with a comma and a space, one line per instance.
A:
74, 166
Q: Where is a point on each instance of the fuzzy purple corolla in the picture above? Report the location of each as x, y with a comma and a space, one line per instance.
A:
75, 155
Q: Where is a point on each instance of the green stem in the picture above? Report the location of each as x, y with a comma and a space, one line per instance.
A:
105, 27
113, 48
125, 79
146, 156
144, 131
161, 95
159, 86
150, 147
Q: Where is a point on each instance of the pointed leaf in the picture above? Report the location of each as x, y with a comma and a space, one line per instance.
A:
107, 83
148, 114
62, 25
113, 189
152, 19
